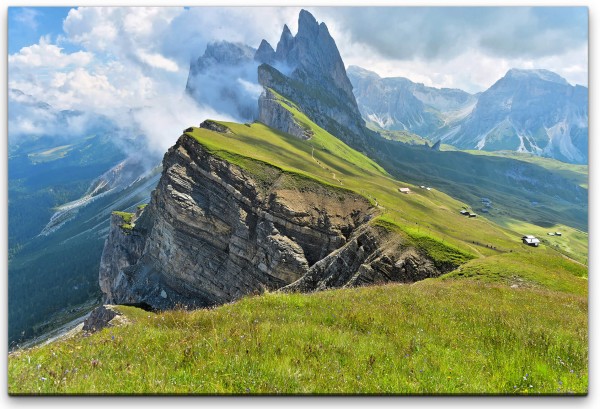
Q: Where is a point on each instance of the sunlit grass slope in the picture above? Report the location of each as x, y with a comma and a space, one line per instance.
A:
440, 337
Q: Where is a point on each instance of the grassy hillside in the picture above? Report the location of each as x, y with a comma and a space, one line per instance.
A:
510, 320
443, 337
576, 173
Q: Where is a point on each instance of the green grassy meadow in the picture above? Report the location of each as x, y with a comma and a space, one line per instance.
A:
432, 337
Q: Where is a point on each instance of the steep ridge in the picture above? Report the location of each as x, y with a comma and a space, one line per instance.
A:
308, 70
218, 229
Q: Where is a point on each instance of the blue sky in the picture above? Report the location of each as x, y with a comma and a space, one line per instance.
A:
27, 24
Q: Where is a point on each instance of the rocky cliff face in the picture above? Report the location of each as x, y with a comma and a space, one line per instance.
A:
272, 113
214, 232
308, 69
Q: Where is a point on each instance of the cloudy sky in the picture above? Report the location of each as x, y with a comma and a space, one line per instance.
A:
113, 60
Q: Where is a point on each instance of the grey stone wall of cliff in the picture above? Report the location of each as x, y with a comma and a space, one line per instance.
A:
122, 248
213, 233
273, 114
315, 79
373, 255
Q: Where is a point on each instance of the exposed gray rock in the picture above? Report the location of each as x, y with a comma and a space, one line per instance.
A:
309, 71
212, 232
265, 53
400, 104
214, 126
535, 111
273, 114
372, 255
101, 317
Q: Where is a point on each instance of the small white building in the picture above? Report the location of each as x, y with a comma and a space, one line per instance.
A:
404, 190
531, 241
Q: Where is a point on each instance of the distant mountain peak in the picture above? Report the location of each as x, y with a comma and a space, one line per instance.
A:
307, 25
526, 74
307, 68
265, 52
311, 53
357, 71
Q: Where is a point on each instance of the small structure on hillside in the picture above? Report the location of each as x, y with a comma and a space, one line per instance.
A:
472, 215
531, 240
557, 233
404, 190
464, 212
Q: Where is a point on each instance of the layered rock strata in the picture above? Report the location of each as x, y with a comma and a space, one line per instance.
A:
214, 231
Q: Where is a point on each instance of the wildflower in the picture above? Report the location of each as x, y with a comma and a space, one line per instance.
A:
42, 378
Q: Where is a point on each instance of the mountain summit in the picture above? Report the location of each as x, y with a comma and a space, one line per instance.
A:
534, 111
308, 69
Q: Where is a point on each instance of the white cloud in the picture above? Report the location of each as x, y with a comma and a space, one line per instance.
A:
158, 61
120, 31
163, 119
471, 68
45, 54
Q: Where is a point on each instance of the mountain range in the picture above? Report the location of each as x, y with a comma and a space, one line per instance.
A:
530, 111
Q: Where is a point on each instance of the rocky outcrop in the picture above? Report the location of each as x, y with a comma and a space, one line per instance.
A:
373, 255
102, 317
214, 231
214, 126
265, 53
274, 114
308, 70
122, 248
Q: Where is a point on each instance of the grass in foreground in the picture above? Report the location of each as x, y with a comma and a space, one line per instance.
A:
433, 337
